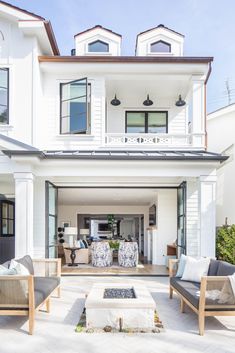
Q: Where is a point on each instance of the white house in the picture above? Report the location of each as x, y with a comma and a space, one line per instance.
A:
221, 139
98, 133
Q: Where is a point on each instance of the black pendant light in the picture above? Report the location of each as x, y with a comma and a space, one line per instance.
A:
180, 102
147, 101
115, 101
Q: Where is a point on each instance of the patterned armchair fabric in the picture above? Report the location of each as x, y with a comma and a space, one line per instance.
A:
101, 254
128, 254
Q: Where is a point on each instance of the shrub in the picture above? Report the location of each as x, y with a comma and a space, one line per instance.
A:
225, 243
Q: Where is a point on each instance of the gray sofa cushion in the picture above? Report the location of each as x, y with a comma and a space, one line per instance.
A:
225, 269
213, 268
43, 287
189, 290
27, 262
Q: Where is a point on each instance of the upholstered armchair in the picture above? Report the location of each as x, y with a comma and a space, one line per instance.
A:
101, 254
128, 254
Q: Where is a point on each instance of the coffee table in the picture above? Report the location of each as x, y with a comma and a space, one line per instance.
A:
137, 312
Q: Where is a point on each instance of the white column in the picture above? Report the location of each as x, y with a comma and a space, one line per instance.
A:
207, 203
23, 214
198, 111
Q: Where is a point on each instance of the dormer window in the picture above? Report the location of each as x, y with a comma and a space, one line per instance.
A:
98, 47
160, 47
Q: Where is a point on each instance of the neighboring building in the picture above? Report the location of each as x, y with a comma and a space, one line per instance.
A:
221, 139
97, 133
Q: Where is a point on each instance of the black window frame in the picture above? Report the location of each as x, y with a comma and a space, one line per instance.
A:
100, 41
8, 74
7, 219
146, 112
160, 41
88, 109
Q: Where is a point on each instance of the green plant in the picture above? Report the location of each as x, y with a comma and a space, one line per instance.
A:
225, 243
114, 244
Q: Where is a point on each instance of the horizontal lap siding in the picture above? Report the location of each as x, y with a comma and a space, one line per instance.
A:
192, 222
177, 121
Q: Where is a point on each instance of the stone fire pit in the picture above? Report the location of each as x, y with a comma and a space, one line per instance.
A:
130, 305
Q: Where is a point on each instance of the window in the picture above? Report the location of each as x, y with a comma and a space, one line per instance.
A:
7, 218
75, 107
98, 47
146, 122
4, 96
160, 47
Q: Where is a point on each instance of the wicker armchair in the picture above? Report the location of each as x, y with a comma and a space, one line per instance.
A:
23, 295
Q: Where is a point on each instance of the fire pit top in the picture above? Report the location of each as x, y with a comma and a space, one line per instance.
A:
119, 293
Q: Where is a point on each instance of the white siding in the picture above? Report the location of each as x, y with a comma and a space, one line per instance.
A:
193, 218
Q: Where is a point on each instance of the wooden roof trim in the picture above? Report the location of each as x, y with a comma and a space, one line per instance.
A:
95, 27
127, 59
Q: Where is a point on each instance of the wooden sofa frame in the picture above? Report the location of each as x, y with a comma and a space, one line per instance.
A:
203, 310
29, 308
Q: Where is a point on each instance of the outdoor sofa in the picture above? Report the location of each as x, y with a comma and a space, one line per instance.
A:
202, 297
22, 295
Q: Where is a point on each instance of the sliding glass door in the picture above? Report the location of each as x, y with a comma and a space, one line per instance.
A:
51, 220
181, 218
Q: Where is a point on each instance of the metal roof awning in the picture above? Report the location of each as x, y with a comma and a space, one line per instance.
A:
154, 155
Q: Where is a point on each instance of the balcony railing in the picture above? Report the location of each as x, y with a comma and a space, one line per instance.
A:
155, 140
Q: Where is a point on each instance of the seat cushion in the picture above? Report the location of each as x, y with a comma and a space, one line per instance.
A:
27, 262
213, 267
43, 287
225, 269
189, 290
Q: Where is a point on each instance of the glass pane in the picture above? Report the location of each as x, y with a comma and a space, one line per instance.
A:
11, 211
4, 78
136, 122
52, 230
98, 46
76, 111
3, 114
52, 252
52, 200
180, 202
3, 96
74, 90
10, 227
160, 47
4, 210
4, 226
157, 122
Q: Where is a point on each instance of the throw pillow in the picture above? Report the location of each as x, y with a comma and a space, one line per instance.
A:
181, 266
20, 269
195, 269
6, 271
85, 243
81, 245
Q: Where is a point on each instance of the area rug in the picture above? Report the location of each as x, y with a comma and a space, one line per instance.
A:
81, 327
115, 267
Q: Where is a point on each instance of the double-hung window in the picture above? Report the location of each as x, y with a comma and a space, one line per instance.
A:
4, 96
146, 122
75, 107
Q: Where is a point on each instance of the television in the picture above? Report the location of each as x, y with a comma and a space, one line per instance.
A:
103, 227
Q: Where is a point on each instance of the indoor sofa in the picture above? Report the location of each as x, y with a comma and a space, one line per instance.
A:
22, 295
205, 298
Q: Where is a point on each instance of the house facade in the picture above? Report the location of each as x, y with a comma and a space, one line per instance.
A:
223, 119
98, 133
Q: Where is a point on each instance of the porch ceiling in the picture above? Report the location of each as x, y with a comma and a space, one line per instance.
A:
110, 196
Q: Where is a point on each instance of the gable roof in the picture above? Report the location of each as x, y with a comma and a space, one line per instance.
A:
160, 26
47, 25
97, 26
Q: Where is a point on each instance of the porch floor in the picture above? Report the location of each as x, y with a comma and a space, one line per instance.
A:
55, 332
140, 270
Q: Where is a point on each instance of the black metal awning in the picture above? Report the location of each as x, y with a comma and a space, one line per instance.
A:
155, 155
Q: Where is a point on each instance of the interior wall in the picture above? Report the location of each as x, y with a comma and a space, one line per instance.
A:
69, 213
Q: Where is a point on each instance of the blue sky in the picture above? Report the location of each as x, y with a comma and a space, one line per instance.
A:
208, 26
